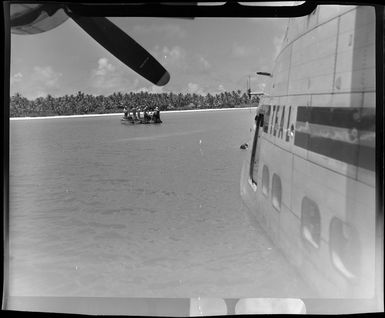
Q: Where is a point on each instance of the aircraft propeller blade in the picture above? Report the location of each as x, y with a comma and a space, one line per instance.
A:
123, 47
37, 18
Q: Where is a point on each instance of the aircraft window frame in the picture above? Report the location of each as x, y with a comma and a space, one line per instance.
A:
309, 206
339, 233
276, 192
265, 181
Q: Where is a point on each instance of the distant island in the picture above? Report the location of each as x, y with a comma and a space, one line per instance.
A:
89, 104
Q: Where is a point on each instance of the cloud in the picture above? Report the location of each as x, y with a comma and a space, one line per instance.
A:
38, 94
104, 76
194, 88
153, 89
15, 78
176, 53
104, 67
41, 81
215, 89
174, 57
203, 63
45, 77
107, 78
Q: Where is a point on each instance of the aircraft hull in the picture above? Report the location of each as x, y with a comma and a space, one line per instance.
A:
309, 178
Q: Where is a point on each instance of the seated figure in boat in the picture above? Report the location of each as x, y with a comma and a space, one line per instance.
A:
134, 116
146, 116
156, 115
129, 117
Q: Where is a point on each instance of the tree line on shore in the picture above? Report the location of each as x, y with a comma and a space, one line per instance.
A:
89, 104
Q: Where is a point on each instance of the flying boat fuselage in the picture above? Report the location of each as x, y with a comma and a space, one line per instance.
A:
309, 179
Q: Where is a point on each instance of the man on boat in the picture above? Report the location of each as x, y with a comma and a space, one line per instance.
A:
129, 116
134, 113
125, 112
146, 116
156, 115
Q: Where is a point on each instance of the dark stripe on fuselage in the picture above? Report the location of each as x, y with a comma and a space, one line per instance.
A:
343, 117
351, 153
351, 118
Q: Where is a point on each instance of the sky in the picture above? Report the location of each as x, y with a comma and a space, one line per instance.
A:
204, 55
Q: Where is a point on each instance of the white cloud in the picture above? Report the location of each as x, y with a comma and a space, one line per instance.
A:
107, 78
215, 89
176, 56
39, 94
205, 65
154, 89
41, 81
15, 78
45, 77
104, 67
175, 53
194, 88
176, 59
171, 58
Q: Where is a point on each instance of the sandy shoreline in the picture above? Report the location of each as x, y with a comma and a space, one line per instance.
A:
120, 114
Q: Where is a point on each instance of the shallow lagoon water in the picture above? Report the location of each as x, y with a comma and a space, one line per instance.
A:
103, 209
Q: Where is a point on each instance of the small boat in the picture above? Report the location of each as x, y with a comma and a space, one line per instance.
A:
130, 121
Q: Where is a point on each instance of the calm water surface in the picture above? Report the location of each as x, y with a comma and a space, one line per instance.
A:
102, 209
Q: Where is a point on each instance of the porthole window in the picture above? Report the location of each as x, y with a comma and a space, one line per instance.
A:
276, 192
265, 181
344, 248
310, 223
